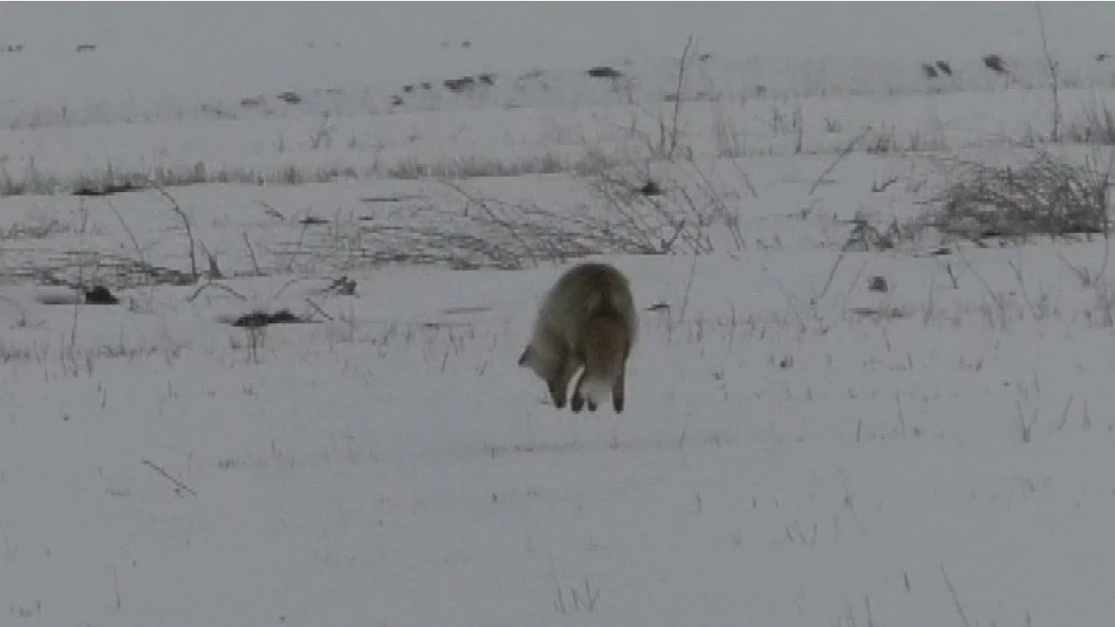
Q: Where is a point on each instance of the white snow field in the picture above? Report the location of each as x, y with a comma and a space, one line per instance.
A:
846, 408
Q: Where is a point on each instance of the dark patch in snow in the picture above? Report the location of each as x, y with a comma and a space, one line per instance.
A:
651, 188
107, 190
257, 319
458, 85
100, 295
995, 63
604, 71
877, 284
290, 97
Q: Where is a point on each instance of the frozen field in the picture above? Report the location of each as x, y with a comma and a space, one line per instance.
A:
847, 406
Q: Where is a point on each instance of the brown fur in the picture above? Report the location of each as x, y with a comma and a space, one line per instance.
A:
588, 319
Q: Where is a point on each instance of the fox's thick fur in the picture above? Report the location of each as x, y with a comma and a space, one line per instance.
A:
588, 319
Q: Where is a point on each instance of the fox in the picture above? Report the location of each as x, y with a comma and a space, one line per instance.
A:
586, 319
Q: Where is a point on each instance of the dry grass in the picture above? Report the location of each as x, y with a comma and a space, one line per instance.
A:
1046, 196
32, 181
1094, 125
483, 233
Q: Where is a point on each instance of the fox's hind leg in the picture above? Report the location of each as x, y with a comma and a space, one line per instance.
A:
577, 403
580, 400
559, 385
557, 394
619, 388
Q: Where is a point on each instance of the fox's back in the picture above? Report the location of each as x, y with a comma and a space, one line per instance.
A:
583, 293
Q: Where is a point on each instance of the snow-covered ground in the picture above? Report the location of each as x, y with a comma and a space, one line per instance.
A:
819, 431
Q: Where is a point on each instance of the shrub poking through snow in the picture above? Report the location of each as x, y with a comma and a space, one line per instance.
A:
1046, 196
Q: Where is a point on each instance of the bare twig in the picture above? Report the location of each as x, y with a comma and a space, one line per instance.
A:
492, 216
832, 273
743, 175
688, 286
214, 267
1082, 273
1054, 134
318, 309
878, 187
222, 286
1101, 180
298, 247
787, 295
179, 487
1026, 426
323, 132
844, 152
719, 205
80, 284
955, 280
955, 599
271, 211
116, 587
1017, 269
677, 99
127, 229
251, 253
185, 221
1065, 414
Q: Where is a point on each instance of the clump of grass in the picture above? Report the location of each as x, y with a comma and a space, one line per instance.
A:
1095, 125
1046, 196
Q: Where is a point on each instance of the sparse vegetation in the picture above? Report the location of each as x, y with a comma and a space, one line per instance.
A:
1048, 195
1094, 125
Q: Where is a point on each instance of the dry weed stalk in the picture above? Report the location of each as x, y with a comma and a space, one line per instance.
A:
185, 221
1051, 64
